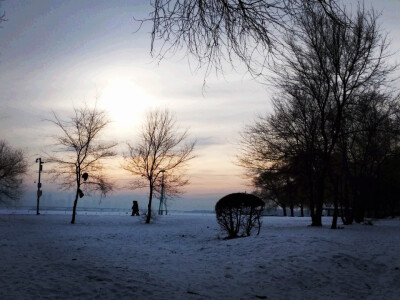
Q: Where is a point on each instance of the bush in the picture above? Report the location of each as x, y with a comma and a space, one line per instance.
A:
239, 213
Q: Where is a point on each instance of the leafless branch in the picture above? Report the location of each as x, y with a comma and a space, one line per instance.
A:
80, 151
162, 148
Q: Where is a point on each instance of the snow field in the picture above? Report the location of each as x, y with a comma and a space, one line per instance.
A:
185, 257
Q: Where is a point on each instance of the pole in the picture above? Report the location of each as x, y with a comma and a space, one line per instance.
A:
160, 210
163, 193
39, 185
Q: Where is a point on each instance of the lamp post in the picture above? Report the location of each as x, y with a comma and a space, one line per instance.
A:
39, 184
162, 197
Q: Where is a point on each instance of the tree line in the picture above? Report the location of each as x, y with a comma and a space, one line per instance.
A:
332, 138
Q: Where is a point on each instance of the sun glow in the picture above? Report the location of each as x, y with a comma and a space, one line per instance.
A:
125, 102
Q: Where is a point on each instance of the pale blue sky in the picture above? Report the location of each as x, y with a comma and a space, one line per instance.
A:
57, 54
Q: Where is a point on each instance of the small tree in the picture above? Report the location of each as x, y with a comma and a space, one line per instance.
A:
161, 147
12, 166
80, 154
239, 212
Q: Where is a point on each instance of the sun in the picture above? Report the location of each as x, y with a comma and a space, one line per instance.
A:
124, 101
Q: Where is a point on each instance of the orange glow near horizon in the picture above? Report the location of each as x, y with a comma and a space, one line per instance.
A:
212, 177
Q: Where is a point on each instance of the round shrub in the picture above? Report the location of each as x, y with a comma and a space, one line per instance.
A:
239, 213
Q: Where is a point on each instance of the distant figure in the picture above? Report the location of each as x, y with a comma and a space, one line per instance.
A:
135, 209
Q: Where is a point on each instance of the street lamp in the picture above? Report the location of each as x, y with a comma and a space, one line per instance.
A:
39, 184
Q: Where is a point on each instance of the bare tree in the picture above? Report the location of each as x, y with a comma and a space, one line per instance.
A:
370, 141
332, 64
218, 31
80, 153
162, 146
272, 153
13, 166
326, 70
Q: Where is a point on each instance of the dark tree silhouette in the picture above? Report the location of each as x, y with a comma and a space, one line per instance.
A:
333, 64
13, 166
81, 153
218, 31
370, 140
239, 213
281, 186
270, 187
162, 146
328, 70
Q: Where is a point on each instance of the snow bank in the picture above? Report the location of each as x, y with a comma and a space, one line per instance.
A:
184, 257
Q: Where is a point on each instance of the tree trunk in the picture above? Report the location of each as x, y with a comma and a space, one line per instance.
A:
393, 208
318, 215
311, 195
148, 218
347, 218
366, 195
358, 207
335, 205
317, 218
284, 210
75, 204
301, 210
312, 206
291, 209
78, 186
345, 212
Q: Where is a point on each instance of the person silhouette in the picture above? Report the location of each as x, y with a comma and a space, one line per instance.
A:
135, 208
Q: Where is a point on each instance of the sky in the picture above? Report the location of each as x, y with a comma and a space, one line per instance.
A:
56, 55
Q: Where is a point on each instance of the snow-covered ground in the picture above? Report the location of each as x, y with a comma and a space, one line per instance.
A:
185, 257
